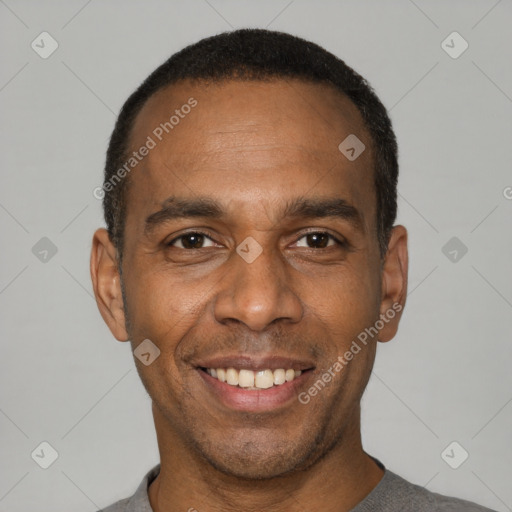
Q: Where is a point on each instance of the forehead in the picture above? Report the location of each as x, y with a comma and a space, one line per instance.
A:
248, 142
316, 112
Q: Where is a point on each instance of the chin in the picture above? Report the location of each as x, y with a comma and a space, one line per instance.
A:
258, 459
248, 467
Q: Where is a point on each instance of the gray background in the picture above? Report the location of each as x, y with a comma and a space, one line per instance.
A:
446, 376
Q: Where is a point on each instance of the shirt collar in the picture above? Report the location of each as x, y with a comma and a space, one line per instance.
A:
139, 502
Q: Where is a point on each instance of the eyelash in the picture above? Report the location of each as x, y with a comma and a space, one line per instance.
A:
339, 242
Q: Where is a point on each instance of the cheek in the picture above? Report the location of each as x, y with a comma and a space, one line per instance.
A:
163, 313
345, 301
159, 303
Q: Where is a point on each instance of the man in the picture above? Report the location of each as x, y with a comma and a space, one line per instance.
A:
251, 259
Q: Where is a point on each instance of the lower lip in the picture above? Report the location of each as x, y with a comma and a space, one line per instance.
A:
249, 400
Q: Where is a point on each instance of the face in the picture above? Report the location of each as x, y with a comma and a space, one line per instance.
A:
251, 245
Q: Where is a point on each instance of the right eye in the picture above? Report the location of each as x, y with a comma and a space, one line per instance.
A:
192, 240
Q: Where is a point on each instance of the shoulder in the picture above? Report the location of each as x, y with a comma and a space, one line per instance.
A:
395, 493
448, 504
139, 502
118, 506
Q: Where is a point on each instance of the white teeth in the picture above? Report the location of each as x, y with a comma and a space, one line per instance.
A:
232, 376
264, 379
246, 379
249, 379
279, 377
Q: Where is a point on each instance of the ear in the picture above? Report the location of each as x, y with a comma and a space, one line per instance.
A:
106, 282
394, 283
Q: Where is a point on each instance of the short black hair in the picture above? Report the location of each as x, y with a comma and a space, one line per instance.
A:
257, 54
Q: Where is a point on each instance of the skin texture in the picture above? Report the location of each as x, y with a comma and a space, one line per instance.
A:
253, 147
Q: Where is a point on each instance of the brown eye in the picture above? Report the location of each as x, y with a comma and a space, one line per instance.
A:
318, 240
190, 241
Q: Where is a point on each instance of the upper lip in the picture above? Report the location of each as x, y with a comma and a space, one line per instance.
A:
256, 363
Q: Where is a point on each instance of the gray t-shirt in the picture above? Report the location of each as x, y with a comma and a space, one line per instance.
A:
392, 494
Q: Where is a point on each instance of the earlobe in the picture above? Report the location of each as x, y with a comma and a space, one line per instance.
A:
394, 283
107, 284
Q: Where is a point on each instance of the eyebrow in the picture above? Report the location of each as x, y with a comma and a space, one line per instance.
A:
320, 208
174, 208
311, 208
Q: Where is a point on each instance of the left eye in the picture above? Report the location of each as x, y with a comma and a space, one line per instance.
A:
318, 240
191, 241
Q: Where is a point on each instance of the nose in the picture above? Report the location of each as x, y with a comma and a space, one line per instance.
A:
257, 293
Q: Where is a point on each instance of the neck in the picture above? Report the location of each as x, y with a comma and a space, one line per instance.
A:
337, 482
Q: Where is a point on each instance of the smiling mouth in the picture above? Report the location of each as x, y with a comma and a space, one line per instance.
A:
253, 379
